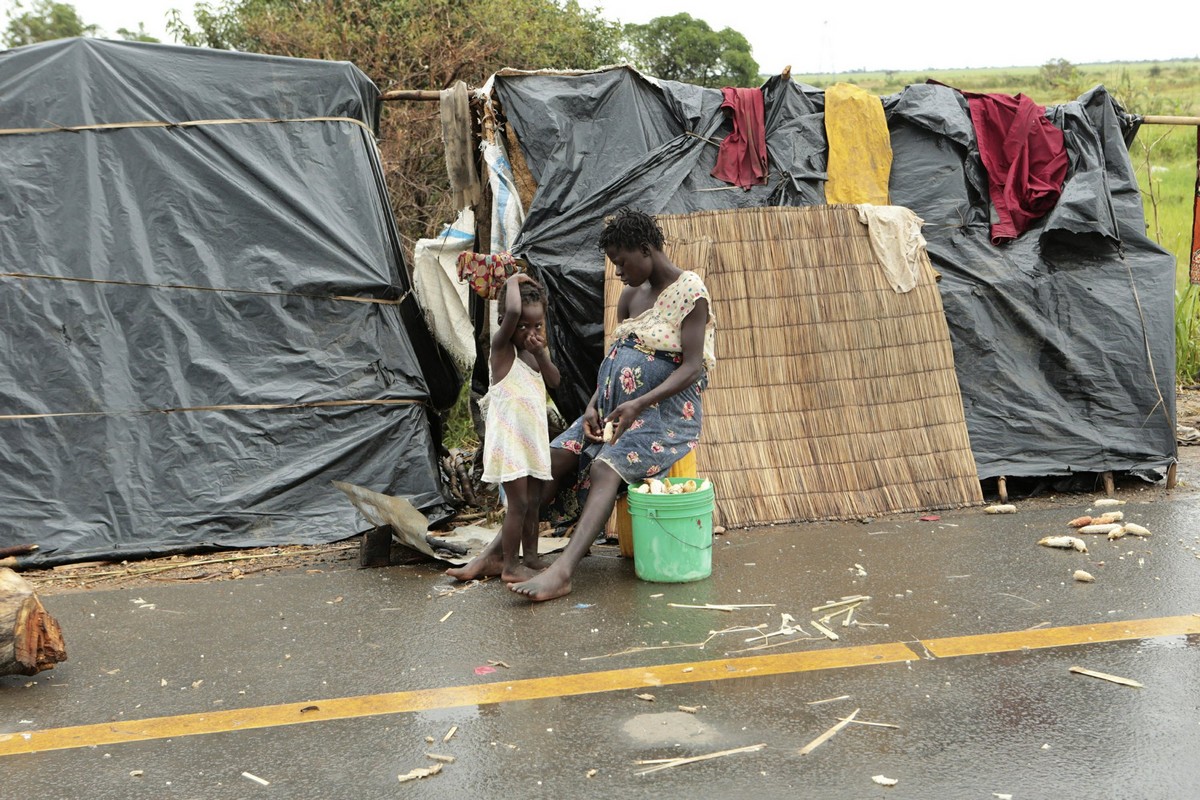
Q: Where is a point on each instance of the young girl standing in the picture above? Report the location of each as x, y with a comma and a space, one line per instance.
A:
516, 451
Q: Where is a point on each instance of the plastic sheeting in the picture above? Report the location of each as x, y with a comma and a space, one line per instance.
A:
211, 323
442, 296
1063, 339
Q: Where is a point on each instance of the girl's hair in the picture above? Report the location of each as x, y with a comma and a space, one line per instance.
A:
629, 229
531, 293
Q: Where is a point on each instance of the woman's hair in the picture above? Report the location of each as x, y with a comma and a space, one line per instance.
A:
531, 293
629, 229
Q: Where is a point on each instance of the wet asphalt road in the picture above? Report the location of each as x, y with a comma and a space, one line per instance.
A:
1013, 722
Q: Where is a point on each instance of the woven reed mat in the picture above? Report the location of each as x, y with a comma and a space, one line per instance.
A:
833, 397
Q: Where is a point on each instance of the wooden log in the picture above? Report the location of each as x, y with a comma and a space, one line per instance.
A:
30, 639
1002, 488
1172, 474
1109, 487
419, 95
17, 550
375, 549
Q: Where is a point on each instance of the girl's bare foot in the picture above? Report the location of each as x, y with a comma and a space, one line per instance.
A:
535, 563
545, 586
517, 573
485, 565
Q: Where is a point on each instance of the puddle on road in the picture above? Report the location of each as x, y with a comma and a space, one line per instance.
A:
670, 728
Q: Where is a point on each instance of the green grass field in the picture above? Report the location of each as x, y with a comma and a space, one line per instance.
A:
1164, 156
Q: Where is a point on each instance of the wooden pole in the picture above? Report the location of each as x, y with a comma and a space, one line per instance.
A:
411, 94
1002, 488
1109, 486
1157, 119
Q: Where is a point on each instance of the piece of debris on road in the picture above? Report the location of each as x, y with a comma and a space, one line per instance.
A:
1104, 676
829, 734
668, 763
420, 772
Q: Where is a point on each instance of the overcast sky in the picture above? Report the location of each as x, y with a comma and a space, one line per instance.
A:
845, 35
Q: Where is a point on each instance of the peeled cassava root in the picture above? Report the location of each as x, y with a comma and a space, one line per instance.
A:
655, 486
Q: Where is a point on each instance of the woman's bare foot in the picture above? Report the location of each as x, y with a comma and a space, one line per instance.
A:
545, 586
535, 563
485, 565
517, 573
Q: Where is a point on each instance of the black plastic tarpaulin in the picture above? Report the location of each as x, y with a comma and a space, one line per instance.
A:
202, 324
1063, 339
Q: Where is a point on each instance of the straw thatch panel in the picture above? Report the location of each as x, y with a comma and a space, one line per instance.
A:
833, 396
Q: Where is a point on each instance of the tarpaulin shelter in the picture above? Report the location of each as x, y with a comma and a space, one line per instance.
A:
1063, 339
204, 307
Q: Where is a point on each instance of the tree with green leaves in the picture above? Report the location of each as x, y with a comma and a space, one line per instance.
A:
412, 44
682, 48
139, 35
45, 20
1058, 72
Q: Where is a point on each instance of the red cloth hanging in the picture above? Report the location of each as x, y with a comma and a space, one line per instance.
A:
742, 158
1025, 158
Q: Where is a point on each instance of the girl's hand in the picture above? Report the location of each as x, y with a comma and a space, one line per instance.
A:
535, 343
625, 415
593, 428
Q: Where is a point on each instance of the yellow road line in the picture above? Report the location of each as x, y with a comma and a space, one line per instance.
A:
449, 697
581, 684
1062, 637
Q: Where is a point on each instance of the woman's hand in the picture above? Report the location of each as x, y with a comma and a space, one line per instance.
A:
625, 415
593, 428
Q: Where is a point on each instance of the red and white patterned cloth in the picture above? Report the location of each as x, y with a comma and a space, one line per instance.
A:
487, 272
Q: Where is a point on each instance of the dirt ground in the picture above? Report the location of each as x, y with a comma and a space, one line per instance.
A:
1187, 408
236, 565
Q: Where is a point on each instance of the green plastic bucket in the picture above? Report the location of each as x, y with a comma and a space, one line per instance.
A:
672, 534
